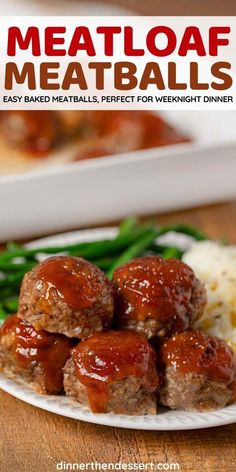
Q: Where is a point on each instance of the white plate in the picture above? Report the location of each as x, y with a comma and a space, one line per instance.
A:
61, 405
166, 420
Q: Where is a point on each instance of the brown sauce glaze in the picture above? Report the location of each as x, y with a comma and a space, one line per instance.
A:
33, 348
108, 357
151, 287
196, 352
75, 281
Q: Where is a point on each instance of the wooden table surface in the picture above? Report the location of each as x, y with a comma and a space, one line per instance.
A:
34, 440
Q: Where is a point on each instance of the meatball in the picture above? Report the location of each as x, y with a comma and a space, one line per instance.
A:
156, 296
36, 357
199, 372
113, 371
67, 295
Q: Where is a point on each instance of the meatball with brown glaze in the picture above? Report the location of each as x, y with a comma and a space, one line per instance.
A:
67, 295
157, 297
115, 372
199, 372
36, 357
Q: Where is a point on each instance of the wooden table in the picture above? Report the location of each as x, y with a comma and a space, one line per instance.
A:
35, 441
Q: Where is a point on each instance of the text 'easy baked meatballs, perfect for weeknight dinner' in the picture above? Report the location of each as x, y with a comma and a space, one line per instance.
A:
36, 357
199, 372
67, 295
157, 297
115, 372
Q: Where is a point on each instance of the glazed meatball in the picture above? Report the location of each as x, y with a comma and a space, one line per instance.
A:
156, 296
36, 357
67, 295
199, 372
113, 371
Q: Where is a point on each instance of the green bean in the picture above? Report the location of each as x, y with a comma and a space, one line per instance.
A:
16, 267
104, 263
97, 249
127, 225
184, 229
109, 248
11, 305
134, 251
89, 250
164, 251
9, 291
24, 252
172, 252
3, 313
14, 279
12, 247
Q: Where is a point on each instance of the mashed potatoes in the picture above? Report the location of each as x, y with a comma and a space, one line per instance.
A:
215, 265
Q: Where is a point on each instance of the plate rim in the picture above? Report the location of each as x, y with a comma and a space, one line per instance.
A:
51, 404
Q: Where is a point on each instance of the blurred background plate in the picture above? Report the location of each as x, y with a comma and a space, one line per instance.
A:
62, 196
100, 190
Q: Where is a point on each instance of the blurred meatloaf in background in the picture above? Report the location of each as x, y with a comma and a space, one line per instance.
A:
32, 138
